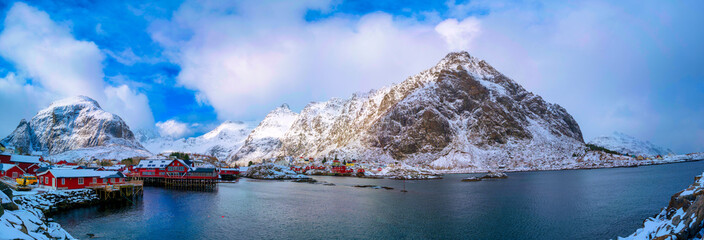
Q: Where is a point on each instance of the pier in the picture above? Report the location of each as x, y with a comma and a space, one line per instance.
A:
177, 182
128, 191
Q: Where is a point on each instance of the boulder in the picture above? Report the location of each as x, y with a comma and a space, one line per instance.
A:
495, 175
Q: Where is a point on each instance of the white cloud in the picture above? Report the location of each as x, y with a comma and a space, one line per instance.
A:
459, 34
53, 65
174, 129
126, 57
246, 58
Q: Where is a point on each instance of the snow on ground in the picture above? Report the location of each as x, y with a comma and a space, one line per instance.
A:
27, 222
102, 152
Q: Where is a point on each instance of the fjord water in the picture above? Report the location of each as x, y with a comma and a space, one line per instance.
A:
573, 204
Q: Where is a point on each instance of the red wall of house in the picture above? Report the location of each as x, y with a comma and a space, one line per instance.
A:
5, 158
72, 183
9, 173
29, 168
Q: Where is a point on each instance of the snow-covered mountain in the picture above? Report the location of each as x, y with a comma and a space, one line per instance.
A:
76, 128
220, 142
459, 114
626, 144
265, 139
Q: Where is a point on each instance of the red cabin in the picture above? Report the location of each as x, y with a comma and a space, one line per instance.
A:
29, 164
10, 170
339, 169
177, 168
78, 178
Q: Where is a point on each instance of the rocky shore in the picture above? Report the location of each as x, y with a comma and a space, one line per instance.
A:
270, 171
681, 219
23, 217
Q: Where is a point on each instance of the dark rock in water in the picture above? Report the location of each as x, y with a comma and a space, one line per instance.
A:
495, 175
374, 187
305, 180
90, 235
472, 179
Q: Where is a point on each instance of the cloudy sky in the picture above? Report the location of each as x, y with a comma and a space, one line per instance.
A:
183, 67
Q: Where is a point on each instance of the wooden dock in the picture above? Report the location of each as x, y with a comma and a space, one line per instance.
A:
193, 184
128, 191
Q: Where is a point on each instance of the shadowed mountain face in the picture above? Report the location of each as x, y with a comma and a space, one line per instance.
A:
461, 113
70, 124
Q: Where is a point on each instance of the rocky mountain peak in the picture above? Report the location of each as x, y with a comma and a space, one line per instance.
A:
76, 123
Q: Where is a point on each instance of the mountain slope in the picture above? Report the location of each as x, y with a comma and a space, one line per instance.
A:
626, 144
76, 125
461, 113
265, 139
219, 142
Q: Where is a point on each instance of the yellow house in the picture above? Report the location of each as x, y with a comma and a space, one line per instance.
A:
350, 164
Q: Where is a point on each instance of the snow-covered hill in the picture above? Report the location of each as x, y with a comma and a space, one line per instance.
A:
220, 142
265, 139
76, 128
626, 144
459, 114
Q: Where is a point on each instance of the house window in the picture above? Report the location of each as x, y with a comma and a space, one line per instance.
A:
40, 180
95, 180
63, 181
80, 181
14, 175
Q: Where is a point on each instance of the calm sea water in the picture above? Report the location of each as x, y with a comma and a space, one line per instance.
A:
574, 204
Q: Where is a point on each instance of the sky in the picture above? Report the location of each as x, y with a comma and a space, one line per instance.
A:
182, 67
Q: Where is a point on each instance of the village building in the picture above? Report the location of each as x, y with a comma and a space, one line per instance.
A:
10, 170
27, 163
78, 178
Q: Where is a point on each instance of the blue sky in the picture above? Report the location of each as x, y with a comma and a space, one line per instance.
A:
183, 67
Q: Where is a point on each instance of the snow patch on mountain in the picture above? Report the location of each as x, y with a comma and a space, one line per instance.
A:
265, 138
626, 144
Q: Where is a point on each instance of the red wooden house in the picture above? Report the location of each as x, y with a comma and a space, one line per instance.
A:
27, 163
152, 168
78, 178
177, 168
10, 170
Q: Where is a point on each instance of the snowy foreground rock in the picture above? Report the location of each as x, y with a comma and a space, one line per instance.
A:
270, 171
27, 221
681, 219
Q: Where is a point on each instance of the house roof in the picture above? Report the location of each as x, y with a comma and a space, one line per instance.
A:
153, 163
24, 159
203, 170
6, 166
69, 173
42, 169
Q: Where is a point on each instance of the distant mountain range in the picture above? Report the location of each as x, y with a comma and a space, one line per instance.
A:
625, 144
460, 114
220, 142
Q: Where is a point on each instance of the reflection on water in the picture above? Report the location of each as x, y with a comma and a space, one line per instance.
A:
575, 204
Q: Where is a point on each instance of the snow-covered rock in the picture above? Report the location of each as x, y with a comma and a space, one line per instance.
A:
222, 141
75, 124
406, 172
681, 219
626, 144
265, 140
270, 171
459, 114
29, 222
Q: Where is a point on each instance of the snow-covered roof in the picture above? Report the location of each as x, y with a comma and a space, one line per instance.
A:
5, 166
24, 159
154, 163
68, 173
